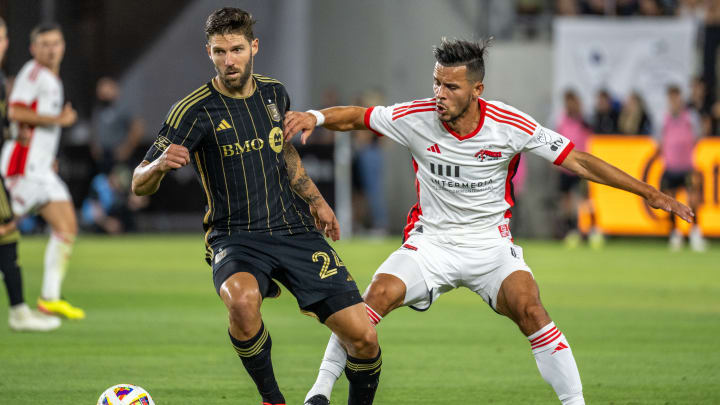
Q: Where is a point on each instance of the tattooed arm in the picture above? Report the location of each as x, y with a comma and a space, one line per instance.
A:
303, 186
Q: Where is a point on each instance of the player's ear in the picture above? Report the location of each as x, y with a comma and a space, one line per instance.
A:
254, 46
478, 89
207, 48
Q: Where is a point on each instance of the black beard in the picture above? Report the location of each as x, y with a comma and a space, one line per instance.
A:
461, 113
242, 80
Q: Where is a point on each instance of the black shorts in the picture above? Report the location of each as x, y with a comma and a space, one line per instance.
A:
304, 263
673, 180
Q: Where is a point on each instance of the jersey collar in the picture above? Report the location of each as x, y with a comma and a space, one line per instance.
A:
473, 133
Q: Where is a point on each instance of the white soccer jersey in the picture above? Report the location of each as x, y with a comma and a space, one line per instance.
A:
38, 88
464, 183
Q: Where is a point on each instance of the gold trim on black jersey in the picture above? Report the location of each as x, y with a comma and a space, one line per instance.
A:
266, 79
262, 161
227, 190
181, 107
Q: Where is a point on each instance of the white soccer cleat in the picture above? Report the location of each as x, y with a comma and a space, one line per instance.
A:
23, 319
676, 241
596, 239
697, 242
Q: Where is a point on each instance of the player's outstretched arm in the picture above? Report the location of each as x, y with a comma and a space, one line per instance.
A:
147, 176
25, 115
303, 186
334, 118
595, 169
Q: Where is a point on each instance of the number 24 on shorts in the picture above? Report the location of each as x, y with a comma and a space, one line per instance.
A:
326, 271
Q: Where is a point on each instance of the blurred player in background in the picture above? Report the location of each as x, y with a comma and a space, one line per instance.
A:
465, 152
258, 228
20, 317
680, 132
29, 162
573, 189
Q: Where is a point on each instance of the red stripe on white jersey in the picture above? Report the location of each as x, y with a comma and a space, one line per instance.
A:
512, 114
366, 120
402, 109
413, 111
34, 72
416, 210
511, 119
515, 124
561, 157
512, 169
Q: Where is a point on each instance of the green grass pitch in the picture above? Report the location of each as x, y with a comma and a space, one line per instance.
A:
644, 325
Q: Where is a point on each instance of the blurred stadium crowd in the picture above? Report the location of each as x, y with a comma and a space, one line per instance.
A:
98, 154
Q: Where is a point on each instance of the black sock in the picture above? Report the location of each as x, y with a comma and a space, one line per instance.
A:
11, 273
364, 377
255, 356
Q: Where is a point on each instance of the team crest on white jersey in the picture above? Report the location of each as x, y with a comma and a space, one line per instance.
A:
485, 154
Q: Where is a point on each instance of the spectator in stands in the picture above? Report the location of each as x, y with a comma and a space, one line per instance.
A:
573, 190
650, 8
605, 118
566, 7
679, 134
115, 132
109, 207
368, 171
626, 7
634, 119
698, 104
593, 7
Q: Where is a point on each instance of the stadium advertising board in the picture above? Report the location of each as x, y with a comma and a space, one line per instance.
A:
621, 213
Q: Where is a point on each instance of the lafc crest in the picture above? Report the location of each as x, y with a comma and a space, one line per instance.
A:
274, 112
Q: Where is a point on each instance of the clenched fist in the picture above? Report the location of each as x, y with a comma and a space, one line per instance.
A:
174, 157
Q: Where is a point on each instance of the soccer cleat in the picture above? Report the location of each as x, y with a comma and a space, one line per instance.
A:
23, 319
572, 240
676, 241
596, 239
60, 308
697, 242
318, 399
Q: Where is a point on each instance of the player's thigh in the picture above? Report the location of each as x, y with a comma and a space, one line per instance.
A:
60, 215
492, 269
397, 282
314, 274
518, 292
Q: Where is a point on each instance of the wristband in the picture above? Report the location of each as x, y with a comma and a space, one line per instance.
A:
320, 117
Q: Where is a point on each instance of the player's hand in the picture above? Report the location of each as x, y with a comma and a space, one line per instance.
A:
665, 202
68, 116
325, 220
296, 121
174, 157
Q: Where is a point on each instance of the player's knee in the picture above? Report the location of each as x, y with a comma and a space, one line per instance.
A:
383, 297
364, 345
534, 313
244, 307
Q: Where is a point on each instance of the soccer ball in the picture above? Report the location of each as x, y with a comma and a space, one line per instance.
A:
125, 394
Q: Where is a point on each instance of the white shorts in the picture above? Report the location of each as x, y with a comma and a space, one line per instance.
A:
431, 265
28, 194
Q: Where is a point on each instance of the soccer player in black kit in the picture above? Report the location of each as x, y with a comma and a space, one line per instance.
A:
262, 209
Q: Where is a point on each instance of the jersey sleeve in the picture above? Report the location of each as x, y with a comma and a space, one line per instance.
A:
379, 119
26, 89
187, 132
549, 145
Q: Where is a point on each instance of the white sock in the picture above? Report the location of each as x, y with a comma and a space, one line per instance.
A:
556, 363
333, 363
57, 255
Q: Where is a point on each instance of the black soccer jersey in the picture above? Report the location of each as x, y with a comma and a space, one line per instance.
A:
236, 149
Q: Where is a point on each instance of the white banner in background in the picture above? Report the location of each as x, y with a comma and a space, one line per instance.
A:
623, 55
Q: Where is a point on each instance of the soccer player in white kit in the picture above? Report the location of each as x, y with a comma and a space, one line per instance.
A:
28, 162
465, 152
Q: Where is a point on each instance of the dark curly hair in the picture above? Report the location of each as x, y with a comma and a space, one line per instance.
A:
458, 52
230, 20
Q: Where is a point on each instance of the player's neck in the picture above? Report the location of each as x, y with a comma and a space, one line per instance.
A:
54, 69
468, 121
247, 90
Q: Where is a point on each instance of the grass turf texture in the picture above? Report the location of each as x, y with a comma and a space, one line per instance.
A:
643, 323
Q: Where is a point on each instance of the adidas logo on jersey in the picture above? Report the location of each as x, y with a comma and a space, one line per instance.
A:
223, 126
434, 148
